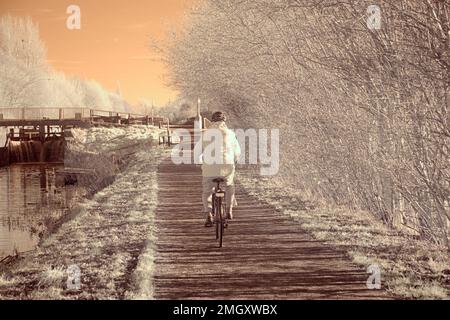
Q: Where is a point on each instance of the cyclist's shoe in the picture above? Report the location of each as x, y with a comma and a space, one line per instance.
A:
209, 220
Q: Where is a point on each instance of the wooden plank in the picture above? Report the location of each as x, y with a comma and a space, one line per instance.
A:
68, 170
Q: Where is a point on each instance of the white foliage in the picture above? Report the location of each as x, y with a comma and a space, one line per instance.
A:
27, 80
363, 114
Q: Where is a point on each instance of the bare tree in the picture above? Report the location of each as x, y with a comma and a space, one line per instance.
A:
366, 111
27, 80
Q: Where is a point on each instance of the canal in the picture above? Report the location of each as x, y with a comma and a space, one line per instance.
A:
31, 200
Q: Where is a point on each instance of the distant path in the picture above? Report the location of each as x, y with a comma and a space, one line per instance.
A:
265, 256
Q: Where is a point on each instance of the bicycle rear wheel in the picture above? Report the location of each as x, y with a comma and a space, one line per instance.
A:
220, 222
215, 215
216, 219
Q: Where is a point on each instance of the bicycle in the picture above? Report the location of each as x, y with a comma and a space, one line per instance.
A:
219, 210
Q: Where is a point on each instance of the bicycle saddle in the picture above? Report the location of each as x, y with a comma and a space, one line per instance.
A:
220, 180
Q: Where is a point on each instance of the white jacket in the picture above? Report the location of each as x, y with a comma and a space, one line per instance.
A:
224, 155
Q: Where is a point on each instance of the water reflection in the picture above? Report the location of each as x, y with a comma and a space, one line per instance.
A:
30, 201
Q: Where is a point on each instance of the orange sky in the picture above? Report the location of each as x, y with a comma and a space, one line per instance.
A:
112, 45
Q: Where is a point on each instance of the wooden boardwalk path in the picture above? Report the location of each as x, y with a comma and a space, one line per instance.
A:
265, 255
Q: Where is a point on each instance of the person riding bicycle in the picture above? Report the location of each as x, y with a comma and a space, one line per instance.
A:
225, 152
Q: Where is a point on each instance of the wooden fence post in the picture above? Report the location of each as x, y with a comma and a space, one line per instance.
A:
42, 133
169, 139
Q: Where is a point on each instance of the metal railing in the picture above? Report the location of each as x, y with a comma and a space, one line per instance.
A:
68, 113
39, 113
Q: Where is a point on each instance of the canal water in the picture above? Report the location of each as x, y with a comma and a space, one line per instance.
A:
31, 200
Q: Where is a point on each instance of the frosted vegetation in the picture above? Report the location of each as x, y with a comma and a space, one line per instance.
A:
363, 114
110, 236
26, 78
363, 118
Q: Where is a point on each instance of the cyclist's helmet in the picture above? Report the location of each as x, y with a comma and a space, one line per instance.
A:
219, 116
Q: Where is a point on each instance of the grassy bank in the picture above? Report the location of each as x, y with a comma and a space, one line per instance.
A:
111, 234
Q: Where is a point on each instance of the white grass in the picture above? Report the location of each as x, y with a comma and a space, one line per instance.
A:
53, 276
112, 233
142, 287
404, 286
6, 281
102, 139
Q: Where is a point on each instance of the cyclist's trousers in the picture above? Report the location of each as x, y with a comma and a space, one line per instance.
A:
209, 185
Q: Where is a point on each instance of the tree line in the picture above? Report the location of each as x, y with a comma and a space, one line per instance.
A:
363, 113
26, 78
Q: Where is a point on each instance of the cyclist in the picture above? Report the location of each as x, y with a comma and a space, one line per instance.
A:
227, 154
